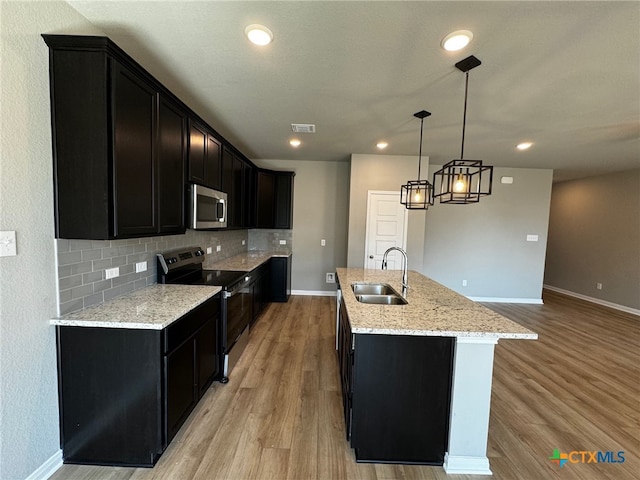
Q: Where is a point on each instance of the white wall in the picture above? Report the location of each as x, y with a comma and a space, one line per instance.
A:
486, 243
320, 208
28, 381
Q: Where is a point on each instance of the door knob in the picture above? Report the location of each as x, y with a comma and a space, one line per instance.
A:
371, 257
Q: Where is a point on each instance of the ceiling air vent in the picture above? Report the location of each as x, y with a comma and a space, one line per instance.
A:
303, 128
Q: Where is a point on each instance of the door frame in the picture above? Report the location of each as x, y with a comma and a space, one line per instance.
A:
366, 229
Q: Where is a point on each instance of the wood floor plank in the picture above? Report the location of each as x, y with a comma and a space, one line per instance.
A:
280, 416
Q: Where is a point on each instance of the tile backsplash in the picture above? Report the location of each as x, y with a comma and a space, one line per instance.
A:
82, 263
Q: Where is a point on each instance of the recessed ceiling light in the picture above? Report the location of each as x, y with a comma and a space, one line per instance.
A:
456, 40
382, 145
259, 34
524, 145
294, 142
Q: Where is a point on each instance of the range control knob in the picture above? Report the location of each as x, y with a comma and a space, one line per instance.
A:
199, 253
172, 260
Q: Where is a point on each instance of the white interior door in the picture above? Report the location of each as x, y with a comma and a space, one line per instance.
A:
386, 227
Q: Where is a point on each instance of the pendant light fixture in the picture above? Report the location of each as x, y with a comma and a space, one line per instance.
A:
463, 181
417, 194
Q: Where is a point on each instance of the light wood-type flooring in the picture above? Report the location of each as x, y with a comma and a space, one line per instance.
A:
280, 416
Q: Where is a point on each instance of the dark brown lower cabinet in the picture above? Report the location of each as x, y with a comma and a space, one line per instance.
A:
125, 393
280, 278
396, 395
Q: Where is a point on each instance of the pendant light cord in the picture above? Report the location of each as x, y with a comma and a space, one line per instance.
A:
464, 116
420, 149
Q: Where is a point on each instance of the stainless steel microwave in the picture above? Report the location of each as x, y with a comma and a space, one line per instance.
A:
207, 208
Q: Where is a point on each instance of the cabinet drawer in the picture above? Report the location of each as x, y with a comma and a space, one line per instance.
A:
179, 331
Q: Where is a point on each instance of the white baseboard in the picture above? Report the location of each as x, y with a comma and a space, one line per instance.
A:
604, 303
463, 465
48, 468
315, 293
536, 301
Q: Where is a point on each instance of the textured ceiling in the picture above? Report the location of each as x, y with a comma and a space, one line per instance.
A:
564, 75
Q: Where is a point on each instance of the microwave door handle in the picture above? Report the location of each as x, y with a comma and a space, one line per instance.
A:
224, 210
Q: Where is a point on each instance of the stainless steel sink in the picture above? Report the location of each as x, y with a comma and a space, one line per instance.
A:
381, 299
377, 293
373, 289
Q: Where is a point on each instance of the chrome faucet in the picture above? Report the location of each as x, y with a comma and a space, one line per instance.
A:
405, 280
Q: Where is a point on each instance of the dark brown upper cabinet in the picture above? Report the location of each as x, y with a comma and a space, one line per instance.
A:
274, 199
118, 147
125, 148
205, 156
239, 185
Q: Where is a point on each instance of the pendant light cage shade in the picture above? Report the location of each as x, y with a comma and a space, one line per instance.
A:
416, 195
462, 181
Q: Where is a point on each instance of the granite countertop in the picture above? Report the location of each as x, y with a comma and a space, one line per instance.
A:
152, 308
433, 309
245, 262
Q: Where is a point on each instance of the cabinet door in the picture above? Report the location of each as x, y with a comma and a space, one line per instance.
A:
134, 114
284, 201
227, 182
249, 197
345, 360
265, 201
180, 384
197, 153
280, 279
237, 195
212, 166
171, 149
207, 355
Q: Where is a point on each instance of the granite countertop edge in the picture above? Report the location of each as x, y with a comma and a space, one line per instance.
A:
152, 308
247, 261
433, 310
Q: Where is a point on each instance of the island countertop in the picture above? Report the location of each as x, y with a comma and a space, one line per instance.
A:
245, 262
152, 308
432, 309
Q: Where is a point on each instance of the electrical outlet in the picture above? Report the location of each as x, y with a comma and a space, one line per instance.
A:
8, 244
112, 272
244, 242
141, 267
331, 278
599, 286
209, 250
283, 242
218, 248
323, 242
464, 283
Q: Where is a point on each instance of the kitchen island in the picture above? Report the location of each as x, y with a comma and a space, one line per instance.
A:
440, 326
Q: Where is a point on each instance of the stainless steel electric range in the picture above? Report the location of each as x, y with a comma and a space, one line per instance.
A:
184, 267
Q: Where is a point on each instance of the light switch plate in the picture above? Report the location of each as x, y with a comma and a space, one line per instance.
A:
283, 242
532, 238
209, 250
218, 248
8, 244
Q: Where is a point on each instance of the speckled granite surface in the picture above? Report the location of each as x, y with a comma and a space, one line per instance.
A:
245, 262
153, 308
433, 309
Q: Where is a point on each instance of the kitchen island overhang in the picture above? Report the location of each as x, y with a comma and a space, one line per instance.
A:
434, 310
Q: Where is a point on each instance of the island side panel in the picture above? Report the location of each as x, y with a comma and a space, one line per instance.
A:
470, 406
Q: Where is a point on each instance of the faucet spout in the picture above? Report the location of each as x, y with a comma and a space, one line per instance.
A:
405, 280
